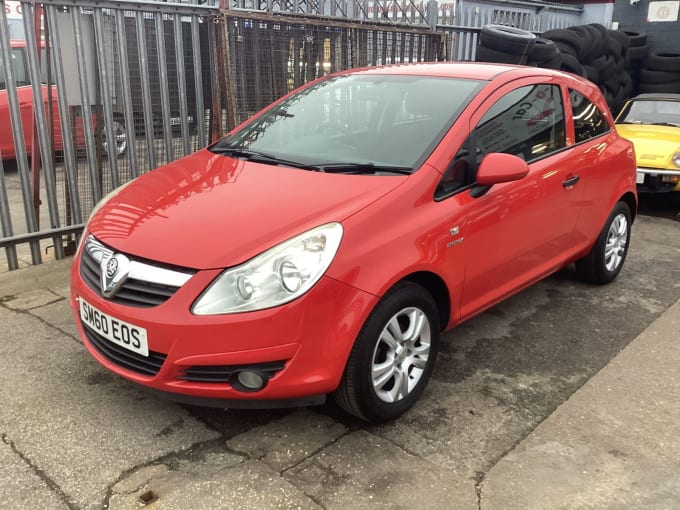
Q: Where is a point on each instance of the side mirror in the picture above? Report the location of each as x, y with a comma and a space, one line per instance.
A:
498, 167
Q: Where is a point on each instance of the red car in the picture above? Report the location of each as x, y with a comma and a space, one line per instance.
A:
27, 108
323, 246
25, 96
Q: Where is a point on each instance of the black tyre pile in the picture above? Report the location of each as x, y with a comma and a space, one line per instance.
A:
637, 52
600, 55
605, 57
505, 45
661, 72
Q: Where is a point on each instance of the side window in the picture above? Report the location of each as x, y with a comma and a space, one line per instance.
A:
18, 61
589, 121
527, 122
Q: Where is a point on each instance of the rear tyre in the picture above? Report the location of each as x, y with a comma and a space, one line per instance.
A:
605, 259
120, 137
393, 356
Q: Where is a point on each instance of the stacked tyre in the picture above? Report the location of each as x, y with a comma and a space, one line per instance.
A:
572, 49
544, 53
637, 54
502, 44
598, 54
661, 72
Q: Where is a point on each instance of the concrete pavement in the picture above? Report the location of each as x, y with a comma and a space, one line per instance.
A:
614, 444
77, 437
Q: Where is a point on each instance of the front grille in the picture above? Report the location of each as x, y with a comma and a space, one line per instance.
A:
122, 357
224, 373
134, 291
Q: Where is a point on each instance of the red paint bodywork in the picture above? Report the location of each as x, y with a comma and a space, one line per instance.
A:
209, 212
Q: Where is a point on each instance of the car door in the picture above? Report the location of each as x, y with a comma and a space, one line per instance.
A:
597, 152
517, 232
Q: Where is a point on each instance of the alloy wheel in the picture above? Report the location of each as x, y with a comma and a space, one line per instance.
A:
615, 247
401, 355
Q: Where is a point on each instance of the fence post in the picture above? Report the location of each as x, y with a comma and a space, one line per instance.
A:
433, 14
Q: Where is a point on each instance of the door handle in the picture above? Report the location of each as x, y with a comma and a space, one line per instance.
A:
571, 181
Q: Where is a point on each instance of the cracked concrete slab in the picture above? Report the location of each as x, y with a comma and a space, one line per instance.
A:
31, 299
364, 471
436, 428
21, 486
216, 482
285, 442
50, 275
60, 316
614, 444
76, 422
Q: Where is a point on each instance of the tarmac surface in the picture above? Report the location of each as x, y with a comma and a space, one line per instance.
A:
565, 396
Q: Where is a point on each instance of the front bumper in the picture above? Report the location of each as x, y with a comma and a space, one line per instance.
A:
302, 346
655, 180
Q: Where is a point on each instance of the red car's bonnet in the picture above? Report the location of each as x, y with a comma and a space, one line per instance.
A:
210, 211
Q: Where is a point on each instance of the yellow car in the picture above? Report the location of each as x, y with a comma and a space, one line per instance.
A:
652, 123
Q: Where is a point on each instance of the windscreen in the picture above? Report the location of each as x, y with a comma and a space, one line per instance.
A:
647, 111
378, 119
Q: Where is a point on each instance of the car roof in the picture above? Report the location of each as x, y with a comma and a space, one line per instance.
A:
469, 70
666, 96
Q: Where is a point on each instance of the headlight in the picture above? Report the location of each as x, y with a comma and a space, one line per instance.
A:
676, 159
277, 276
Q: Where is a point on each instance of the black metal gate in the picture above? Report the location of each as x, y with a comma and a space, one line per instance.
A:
268, 55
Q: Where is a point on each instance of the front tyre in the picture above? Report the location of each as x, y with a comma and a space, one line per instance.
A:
393, 356
605, 260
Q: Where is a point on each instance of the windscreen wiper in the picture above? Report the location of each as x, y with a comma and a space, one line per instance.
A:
362, 168
259, 157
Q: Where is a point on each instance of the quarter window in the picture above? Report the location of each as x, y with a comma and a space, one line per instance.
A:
589, 121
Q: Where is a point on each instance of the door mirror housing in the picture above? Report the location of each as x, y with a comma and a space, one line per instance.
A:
498, 167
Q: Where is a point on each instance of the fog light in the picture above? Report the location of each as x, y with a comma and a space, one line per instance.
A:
250, 380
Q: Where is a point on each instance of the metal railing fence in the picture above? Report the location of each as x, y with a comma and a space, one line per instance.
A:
464, 24
97, 93
268, 55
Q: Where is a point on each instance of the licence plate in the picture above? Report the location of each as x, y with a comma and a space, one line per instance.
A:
124, 334
640, 179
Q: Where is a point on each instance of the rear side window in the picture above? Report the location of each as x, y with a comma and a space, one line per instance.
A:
19, 68
589, 121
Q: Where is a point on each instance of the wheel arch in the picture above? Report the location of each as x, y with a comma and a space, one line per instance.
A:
631, 201
437, 288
